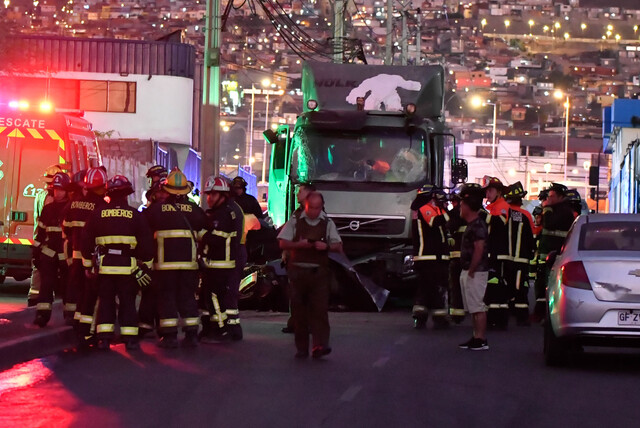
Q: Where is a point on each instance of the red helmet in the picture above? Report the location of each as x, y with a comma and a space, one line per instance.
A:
217, 184
119, 184
96, 177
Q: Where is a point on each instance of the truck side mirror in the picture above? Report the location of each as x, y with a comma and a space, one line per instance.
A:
459, 170
270, 136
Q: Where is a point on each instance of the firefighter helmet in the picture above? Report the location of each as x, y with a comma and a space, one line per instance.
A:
176, 183
489, 182
217, 184
61, 181
96, 177
119, 184
50, 172
426, 189
471, 190
155, 174
239, 182
560, 189
515, 191
537, 211
543, 195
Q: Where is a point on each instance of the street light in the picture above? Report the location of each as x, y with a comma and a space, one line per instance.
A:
559, 95
531, 22
478, 102
583, 26
265, 84
506, 24
483, 23
547, 170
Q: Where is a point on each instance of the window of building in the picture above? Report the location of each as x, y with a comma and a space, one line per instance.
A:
485, 152
533, 151
108, 96
572, 159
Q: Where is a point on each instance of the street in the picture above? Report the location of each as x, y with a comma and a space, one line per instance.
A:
381, 373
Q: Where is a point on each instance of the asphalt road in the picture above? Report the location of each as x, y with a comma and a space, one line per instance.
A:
381, 374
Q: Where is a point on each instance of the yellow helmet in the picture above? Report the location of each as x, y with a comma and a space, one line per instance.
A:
176, 183
50, 172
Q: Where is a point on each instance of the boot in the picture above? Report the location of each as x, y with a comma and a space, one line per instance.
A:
41, 320
104, 344
235, 331
132, 344
420, 316
190, 339
216, 335
169, 341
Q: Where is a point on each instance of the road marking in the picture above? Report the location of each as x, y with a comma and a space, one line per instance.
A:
381, 362
351, 393
402, 340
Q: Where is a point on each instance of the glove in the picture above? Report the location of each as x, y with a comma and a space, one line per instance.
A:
142, 275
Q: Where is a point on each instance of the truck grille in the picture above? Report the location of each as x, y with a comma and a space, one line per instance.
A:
373, 225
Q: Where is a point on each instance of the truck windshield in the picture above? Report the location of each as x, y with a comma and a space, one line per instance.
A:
385, 155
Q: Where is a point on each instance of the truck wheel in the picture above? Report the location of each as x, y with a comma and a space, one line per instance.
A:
556, 350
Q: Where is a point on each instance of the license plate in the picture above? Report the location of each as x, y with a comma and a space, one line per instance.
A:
628, 318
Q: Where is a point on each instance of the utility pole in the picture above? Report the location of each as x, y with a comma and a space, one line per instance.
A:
405, 42
338, 32
210, 143
419, 37
388, 55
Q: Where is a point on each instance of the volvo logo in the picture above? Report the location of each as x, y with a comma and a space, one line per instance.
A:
354, 225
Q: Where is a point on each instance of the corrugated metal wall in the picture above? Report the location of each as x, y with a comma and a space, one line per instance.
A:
55, 54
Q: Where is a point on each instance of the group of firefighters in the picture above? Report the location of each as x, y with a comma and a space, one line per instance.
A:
98, 253
518, 246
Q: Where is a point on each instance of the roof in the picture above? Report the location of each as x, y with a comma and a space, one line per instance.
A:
556, 143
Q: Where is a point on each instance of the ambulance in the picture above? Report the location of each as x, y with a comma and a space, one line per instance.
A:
33, 138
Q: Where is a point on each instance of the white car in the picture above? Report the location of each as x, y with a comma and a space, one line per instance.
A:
593, 291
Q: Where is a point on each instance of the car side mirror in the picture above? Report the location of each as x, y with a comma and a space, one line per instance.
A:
551, 258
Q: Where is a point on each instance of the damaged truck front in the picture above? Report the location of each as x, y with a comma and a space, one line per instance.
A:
368, 138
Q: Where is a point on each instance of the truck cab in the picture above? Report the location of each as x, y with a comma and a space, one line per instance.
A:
32, 139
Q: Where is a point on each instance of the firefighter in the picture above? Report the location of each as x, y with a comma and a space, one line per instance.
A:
148, 310
220, 247
557, 218
75, 277
118, 248
175, 221
521, 250
574, 199
42, 198
48, 250
430, 258
247, 202
81, 290
455, 227
497, 295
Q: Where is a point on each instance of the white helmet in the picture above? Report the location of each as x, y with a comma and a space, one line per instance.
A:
217, 184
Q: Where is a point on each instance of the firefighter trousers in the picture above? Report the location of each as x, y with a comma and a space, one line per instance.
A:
431, 293
540, 286
456, 306
216, 300
497, 296
125, 288
53, 273
176, 295
88, 309
517, 278
310, 305
148, 310
74, 290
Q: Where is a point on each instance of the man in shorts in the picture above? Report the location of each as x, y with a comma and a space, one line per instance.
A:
475, 266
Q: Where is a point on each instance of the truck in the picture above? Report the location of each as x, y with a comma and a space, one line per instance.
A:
32, 139
368, 138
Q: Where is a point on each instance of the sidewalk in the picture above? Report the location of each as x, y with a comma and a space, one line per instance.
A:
21, 341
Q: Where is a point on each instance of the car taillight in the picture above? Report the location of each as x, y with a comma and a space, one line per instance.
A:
574, 275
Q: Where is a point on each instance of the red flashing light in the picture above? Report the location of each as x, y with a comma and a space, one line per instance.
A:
13, 104
46, 107
574, 275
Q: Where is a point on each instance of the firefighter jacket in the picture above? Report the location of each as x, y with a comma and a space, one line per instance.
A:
75, 220
497, 220
175, 225
116, 237
42, 198
220, 243
429, 231
556, 222
521, 240
456, 227
49, 240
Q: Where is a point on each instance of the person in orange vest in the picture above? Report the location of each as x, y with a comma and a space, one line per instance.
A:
497, 295
430, 258
521, 250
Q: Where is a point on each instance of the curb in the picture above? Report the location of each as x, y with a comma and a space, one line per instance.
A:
36, 346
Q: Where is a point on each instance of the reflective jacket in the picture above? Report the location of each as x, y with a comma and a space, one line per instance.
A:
49, 240
119, 236
220, 243
75, 220
173, 225
521, 241
556, 222
498, 242
429, 231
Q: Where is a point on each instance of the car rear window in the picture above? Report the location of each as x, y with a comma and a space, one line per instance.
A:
613, 236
